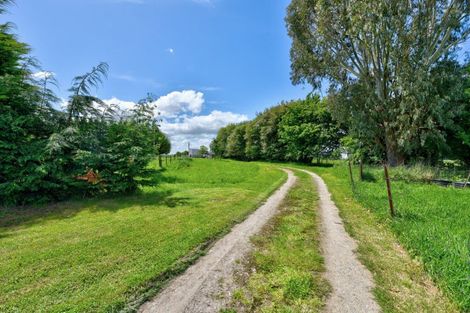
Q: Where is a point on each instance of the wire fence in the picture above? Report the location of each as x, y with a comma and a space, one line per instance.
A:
399, 191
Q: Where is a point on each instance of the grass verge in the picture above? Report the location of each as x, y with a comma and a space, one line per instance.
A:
285, 268
432, 226
107, 255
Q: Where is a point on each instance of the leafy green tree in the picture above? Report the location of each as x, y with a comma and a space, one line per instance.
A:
204, 151
308, 130
384, 52
272, 148
253, 140
458, 136
219, 144
236, 143
162, 141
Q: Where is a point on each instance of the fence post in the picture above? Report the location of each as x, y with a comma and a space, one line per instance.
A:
468, 179
389, 191
350, 173
361, 170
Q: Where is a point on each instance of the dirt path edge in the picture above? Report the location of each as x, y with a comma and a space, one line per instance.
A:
207, 285
351, 281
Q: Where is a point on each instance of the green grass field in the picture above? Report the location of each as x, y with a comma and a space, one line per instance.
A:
433, 224
104, 255
286, 264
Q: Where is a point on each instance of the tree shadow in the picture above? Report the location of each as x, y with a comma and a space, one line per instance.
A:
369, 177
154, 177
30, 215
316, 164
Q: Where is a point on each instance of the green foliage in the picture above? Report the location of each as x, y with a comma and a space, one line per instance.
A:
253, 140
88, 149
25, 124
204, 151
308, 131
183, 163
219, 144
296, 131
82, 104
235, 148
384, 61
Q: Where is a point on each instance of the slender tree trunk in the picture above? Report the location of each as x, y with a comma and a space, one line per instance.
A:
394, 157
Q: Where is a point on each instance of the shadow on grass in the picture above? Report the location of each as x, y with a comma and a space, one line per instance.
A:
369, 177
153, 177
315, 164
32, 214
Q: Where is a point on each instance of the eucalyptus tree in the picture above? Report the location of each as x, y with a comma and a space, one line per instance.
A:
381, 53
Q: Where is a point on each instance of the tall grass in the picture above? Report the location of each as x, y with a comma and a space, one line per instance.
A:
424, 173
433, 222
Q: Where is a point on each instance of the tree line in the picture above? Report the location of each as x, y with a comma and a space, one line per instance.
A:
392, 72
301, 130
397, 91
313, 129
88, 148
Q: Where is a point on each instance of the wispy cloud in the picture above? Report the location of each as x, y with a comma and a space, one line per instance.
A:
170, 50
43, 75
211, 88
128, 78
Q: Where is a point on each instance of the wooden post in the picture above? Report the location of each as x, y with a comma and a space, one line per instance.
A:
389, 191
166, 160
468, 179
160, 161
350, 173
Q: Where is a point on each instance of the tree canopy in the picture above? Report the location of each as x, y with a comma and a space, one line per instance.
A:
51, 154
301, 130
379, 58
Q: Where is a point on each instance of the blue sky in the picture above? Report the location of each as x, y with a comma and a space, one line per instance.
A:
230, 57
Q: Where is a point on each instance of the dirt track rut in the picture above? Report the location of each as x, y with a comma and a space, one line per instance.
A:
207, 286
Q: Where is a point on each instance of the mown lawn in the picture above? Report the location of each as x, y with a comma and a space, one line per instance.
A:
106, 255
286, 266
433, 224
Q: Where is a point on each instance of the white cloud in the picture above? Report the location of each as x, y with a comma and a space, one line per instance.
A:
128, 78
198, 130
181, 122
202, 124
122, 104
211, 88
178, 102
43, 75
170, 50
